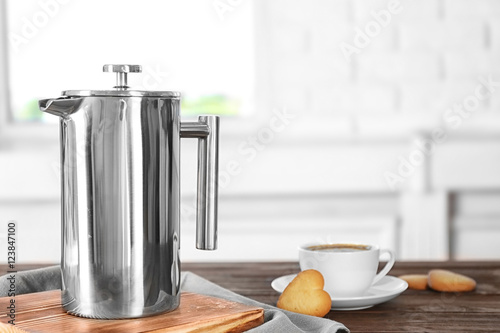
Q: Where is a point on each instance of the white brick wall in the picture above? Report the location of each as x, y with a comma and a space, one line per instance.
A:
463, 9
398, 67
428, 57
493, 27
468, 66
362, 9
464, 35
421, 10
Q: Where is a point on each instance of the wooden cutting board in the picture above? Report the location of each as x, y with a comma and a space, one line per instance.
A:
42, 312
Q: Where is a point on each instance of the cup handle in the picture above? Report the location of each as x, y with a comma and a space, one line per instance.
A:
387, 266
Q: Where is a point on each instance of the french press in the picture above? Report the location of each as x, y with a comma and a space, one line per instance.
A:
121, 197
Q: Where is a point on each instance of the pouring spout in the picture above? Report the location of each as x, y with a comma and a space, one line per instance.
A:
61, 107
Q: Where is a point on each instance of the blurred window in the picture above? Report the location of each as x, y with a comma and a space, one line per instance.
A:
200, 48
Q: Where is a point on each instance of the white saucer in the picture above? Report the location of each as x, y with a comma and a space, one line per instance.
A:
386, 289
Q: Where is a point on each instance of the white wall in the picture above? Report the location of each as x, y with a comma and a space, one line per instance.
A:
321, 174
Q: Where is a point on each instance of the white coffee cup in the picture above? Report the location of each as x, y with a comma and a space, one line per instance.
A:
349, 270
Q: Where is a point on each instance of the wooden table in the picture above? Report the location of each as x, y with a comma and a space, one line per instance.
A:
412, 311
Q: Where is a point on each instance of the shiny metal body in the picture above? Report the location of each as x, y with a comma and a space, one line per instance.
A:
121, 200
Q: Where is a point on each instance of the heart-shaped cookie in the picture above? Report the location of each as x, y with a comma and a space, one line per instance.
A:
305, 295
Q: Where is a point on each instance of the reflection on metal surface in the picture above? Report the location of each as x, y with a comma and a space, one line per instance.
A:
120, 207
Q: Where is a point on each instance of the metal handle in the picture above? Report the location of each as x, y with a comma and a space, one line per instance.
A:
206, 129
121, 73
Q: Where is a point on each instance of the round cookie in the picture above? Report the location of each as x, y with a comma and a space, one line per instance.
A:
443, 280
415, 281
305, 295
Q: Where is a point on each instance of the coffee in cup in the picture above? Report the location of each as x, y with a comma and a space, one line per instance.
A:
349, 270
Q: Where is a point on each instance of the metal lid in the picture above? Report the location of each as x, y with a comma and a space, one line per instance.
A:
121, 89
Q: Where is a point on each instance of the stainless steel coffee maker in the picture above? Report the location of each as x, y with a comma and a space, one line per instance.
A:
120, 197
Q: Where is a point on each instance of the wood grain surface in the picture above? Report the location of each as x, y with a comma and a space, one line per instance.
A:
42, 312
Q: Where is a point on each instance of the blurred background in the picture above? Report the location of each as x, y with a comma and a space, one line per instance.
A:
342, 120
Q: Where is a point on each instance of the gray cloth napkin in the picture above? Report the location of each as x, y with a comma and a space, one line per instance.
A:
276, 320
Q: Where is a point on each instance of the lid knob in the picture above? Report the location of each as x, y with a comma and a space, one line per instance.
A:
121, 73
